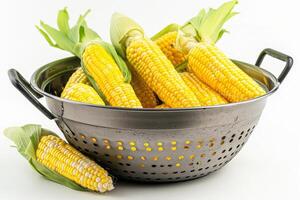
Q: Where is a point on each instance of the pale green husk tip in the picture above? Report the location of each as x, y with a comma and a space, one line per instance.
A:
26, 140
189, 27
208, 26
120, 29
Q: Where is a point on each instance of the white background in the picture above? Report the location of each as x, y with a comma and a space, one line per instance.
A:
267, 168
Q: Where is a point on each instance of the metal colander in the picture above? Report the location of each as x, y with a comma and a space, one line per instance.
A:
151, 145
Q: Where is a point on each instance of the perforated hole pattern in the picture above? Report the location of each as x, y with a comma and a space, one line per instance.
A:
168, 156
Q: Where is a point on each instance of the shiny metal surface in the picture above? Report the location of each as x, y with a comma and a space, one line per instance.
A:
151, 145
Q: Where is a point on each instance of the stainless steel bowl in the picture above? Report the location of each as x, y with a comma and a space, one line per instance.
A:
146, 144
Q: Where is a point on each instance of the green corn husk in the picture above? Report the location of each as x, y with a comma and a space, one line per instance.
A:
209, 26
206, 26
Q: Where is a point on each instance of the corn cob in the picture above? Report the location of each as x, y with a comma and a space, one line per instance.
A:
57, 161
210, 65
206, 95
77, 77
162, 106
82, 93
62, 158
106, 71
150, 63
146, 96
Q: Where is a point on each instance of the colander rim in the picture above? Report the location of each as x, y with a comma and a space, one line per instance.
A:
35, 86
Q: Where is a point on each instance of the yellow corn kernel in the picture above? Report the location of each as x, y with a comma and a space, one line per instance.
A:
206, 95
167, 44
146, 96
67, 161
77, 77
212, 67
82, 93
101, 66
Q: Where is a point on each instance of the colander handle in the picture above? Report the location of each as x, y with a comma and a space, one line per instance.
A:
25, 88
281, 56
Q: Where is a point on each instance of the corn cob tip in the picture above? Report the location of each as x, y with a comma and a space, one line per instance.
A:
121, 28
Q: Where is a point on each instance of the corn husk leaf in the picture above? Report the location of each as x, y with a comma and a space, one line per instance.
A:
211, 27
26, 139
189, 28
47, 38
61, 39
120, 28
76, 34
63, 21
